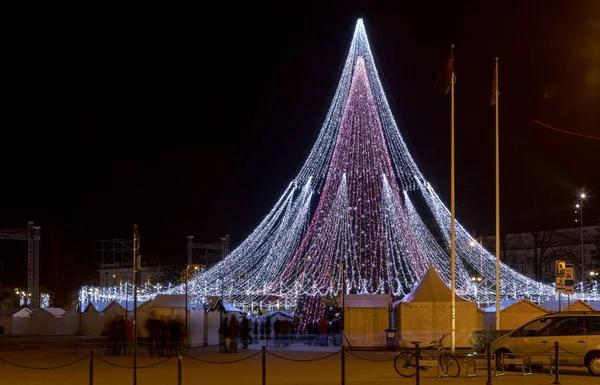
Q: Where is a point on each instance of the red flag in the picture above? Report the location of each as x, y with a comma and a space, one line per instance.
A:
494, 86
444, 78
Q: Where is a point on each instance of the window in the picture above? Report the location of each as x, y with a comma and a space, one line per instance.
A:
524, 266
568, 326
548, 268
593, 325
537, 328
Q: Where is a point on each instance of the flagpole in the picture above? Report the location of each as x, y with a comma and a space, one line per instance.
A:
452, 209
496, 93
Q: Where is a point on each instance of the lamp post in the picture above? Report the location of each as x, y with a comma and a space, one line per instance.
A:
187, 269
136, 281
579, 206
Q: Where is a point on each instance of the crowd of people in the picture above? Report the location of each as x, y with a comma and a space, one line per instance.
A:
165, 335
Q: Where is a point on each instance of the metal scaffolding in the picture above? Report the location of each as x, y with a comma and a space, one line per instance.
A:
116, 253
206, 254
32, 235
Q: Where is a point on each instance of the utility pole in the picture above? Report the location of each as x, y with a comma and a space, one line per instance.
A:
136, 281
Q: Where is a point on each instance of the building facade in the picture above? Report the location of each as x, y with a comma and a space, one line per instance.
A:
533, 254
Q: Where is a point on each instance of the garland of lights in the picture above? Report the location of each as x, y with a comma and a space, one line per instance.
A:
366, 226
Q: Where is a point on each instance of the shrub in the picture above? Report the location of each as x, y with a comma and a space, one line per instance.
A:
480, 338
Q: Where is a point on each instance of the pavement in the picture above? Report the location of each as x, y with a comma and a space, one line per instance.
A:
287, 366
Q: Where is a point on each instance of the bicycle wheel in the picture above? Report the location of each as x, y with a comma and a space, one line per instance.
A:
405, 364
449, 365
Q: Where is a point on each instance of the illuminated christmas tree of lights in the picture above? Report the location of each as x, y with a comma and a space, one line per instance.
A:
368, 228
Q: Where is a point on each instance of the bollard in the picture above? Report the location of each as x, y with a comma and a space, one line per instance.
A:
417, 357
264, 365
556, 377
489, 364
179, 362
91, 367
343, 365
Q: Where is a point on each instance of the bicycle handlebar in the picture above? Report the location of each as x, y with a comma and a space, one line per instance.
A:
438, 341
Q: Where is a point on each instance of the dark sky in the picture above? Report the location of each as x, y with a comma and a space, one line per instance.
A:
193, 121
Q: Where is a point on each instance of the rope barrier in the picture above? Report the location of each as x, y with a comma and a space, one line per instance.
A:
222, 362
131, 367
368, 359
43, 368
571, 353
304, 360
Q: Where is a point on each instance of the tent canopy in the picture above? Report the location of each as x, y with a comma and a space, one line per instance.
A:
430, 289
512, 302
565, 306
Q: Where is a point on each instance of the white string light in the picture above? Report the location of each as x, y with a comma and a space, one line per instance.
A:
360, 177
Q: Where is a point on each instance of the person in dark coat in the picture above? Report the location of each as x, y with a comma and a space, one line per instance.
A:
224, 336
244, 331
164, 334
153, 327
234, 330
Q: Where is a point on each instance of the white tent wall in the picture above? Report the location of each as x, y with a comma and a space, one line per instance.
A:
213, 322
6, 323
429, 321
43, 323
196, 318
67, 325
143, 313
92, 323
366, 317
15, 321
20, 326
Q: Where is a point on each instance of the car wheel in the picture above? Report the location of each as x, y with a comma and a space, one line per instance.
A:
593, 365
498, 354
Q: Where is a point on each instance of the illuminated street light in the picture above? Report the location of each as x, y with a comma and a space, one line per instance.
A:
579, 206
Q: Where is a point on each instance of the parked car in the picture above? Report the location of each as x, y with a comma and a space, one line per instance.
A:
577, 332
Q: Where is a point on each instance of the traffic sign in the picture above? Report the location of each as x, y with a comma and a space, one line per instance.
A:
569, 290
560, 268
569, 275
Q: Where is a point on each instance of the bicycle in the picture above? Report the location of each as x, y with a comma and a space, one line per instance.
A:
405, 361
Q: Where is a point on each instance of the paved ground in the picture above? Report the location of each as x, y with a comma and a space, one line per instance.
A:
280, 371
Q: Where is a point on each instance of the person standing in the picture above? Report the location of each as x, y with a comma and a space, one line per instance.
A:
234, 330
244, 330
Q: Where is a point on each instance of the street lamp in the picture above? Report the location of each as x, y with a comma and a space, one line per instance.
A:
579, 206
187, 269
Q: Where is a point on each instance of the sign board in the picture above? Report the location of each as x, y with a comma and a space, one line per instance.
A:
569, 275
565, 277
560, 268
569, 290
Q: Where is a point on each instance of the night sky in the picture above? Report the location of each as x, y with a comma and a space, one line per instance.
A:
193, 121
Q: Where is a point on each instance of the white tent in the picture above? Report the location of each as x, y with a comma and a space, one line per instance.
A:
217, 310
366, 317
425, 313
115, 310
92, 318
577, 305
46, 321
69, 323
272, 316
513, 313
15, 321
173, 306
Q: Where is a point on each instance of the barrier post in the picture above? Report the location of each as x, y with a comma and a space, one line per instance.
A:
489, 364
417, 357
179, 363
264, 365
92, 367
343, 365
556, 377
